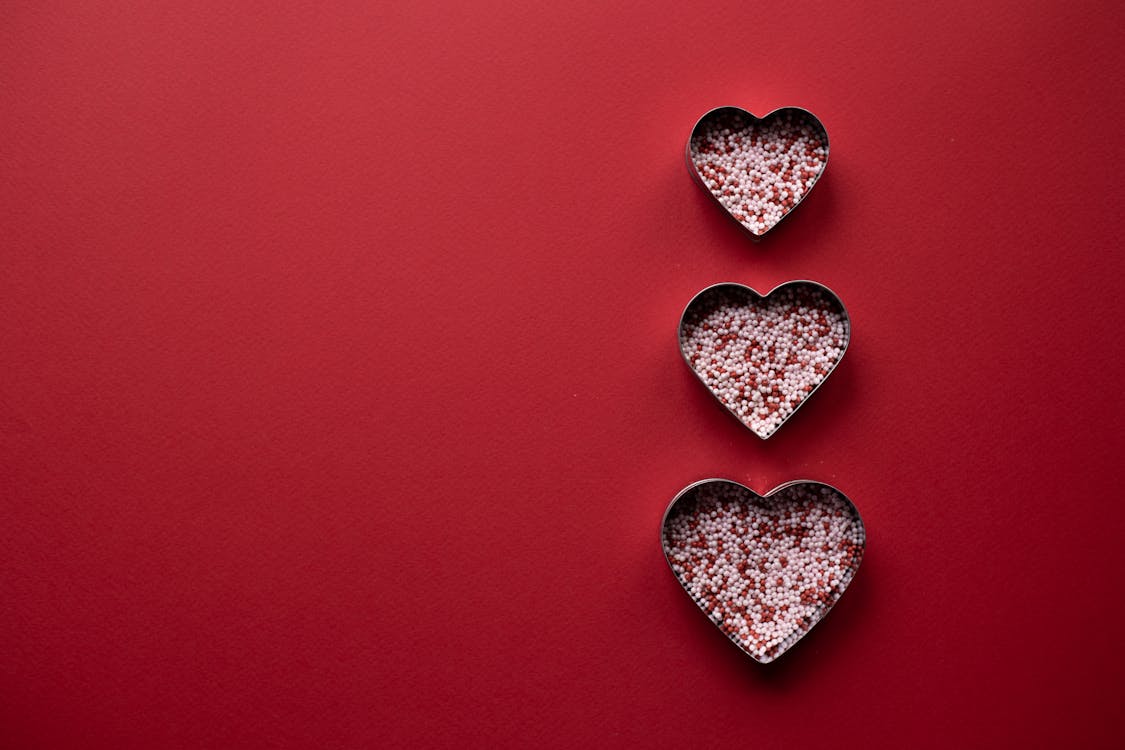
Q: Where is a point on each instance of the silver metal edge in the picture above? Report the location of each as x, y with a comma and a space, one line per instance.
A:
680, 343
699, 179
768, 495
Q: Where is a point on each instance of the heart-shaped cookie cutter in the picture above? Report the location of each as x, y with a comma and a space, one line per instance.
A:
768, 655
734, 289
715, 116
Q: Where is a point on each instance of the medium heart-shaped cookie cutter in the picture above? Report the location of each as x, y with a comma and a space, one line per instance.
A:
723, 118
718, 294
806, 604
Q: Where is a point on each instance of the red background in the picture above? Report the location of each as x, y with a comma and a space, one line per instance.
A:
340, 399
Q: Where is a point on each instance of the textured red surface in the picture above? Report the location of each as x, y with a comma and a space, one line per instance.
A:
340, 398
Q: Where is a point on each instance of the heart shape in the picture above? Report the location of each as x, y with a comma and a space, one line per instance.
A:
758, 169
764, 568
763, 356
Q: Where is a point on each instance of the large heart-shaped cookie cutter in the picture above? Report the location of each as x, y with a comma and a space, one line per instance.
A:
747, 410
766, 171
764, 603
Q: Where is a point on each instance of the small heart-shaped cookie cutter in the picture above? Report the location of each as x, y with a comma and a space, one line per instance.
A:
693, 488
731, 288
728, 111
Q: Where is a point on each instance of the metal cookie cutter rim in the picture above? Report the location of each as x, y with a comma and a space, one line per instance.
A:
761, 298
854, 569
755, 120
